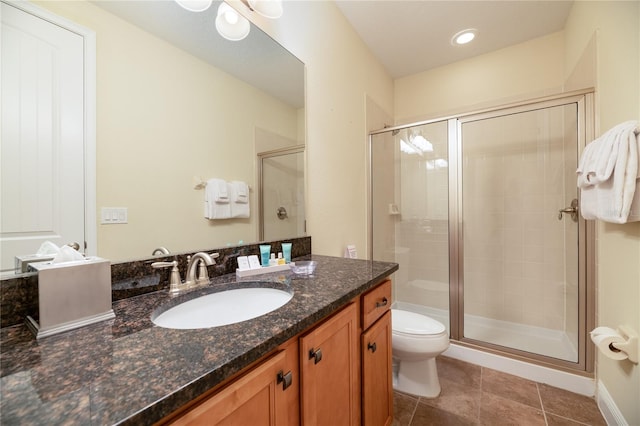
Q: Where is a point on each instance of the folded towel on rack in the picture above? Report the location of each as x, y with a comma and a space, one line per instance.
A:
608, 175
216, 200
239, 193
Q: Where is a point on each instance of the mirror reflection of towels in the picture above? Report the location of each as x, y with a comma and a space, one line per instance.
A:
216, 200
239, 193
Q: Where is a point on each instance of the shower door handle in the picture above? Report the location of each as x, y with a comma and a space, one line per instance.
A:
573, 209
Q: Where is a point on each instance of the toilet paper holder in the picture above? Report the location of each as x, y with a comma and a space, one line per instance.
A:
630, 345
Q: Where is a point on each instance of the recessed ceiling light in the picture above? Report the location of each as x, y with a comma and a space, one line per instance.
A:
463, 37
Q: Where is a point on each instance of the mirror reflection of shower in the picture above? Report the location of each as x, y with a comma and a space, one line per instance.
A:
281, 175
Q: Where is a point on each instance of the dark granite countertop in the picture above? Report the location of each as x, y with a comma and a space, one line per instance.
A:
129, 371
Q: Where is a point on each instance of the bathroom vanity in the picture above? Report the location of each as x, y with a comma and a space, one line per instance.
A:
318, 377
323, 357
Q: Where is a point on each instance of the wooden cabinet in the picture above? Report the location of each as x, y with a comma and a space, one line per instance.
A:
266, 395
329, 371
375, 303
338, 373
377, 386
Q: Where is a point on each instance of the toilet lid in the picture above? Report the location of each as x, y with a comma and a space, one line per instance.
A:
412, 323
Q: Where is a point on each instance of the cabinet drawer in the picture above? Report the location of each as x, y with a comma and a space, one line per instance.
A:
375, 303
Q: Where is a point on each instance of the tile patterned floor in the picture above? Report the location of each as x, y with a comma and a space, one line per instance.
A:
474, 395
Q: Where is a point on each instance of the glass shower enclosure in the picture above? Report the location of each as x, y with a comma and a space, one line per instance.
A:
481, 213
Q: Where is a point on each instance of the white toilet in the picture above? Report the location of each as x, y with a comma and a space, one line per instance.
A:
416, 341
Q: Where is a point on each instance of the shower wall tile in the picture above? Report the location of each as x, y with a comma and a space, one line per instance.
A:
513, 301
533, 271
512, 314
533, 221
533, 236
513, 271
533, 203
514, 253
533, 253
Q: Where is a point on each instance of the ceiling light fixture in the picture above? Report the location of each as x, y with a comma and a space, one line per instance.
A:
463, 37
230, 24
268, 8
195, 5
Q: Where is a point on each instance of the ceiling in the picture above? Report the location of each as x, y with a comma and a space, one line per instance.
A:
407, 36
413, 36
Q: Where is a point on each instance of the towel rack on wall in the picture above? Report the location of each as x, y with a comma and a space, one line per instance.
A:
198, 183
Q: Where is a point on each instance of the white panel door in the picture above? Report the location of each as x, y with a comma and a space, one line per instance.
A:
42, 145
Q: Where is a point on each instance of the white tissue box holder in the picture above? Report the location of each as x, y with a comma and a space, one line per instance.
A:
72, 295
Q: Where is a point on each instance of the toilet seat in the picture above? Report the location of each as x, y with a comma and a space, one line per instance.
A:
413, 324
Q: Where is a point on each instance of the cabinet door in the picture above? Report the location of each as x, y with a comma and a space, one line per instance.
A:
329, 366
377, 388
254, 399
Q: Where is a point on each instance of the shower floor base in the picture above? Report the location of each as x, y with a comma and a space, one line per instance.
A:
537, 340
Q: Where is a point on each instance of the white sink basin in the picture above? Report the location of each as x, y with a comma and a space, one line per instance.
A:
223, 308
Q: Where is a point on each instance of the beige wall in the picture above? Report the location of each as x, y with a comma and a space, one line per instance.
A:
159, 123
506, 75
341, 74
616, 25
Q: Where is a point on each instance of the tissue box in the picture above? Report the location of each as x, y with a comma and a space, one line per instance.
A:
71, 295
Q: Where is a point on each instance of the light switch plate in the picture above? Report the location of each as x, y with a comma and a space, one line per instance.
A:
113, 215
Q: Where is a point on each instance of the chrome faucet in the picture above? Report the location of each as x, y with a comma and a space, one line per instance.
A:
199, 260
175, 284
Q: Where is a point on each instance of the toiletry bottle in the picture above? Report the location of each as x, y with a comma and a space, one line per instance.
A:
265, 250
280, 259
273, 261
286, 251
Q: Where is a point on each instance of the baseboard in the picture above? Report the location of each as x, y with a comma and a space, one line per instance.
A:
560, 379
608, 407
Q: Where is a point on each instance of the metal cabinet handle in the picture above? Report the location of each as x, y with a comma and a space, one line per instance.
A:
285, 379
372, 347
316, 354
383, 303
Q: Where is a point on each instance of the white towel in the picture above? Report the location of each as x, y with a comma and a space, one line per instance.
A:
216, 200
239, 194
608, 175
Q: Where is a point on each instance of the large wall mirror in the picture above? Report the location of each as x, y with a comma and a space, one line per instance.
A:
177, 104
